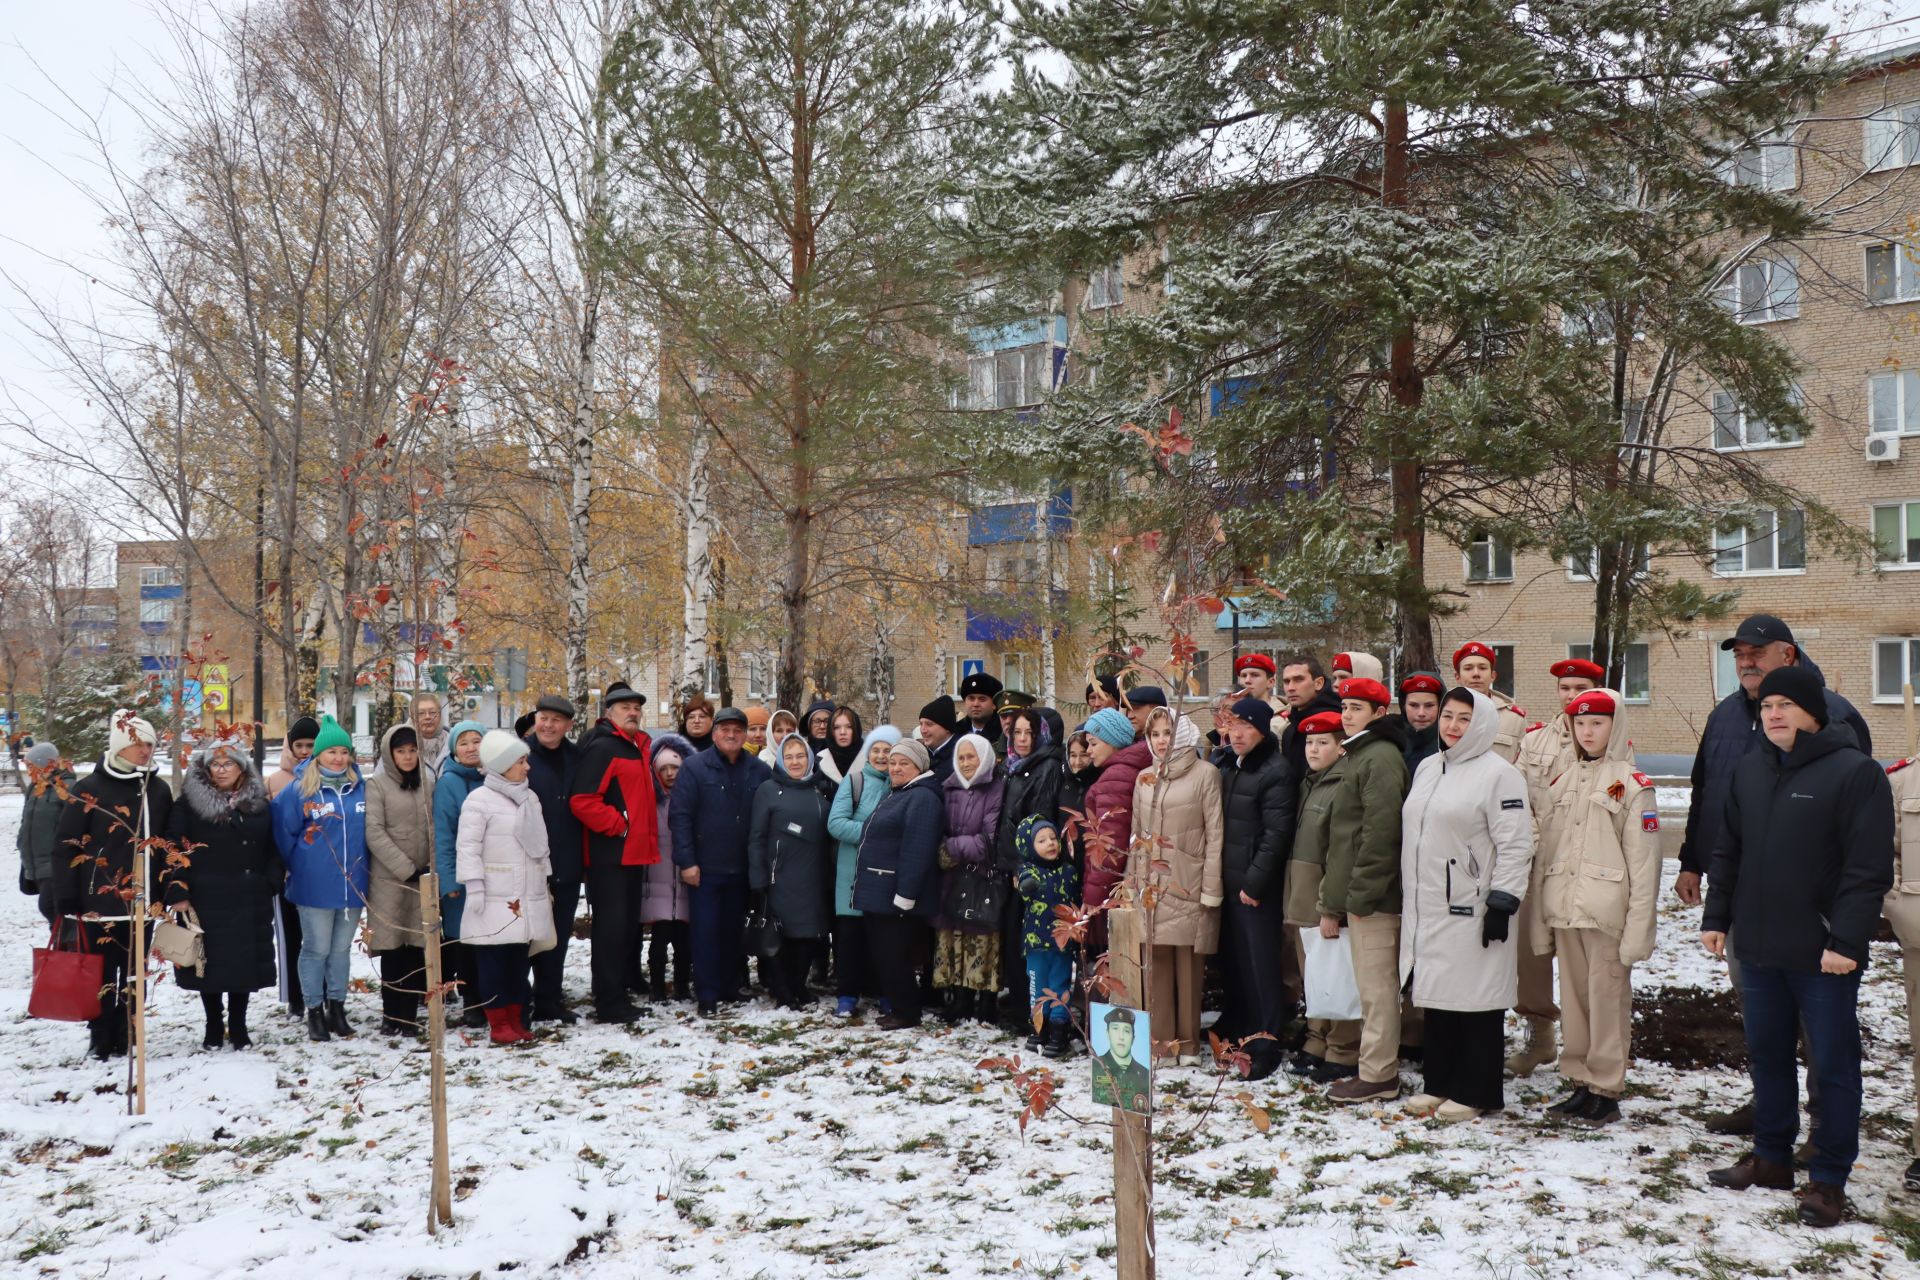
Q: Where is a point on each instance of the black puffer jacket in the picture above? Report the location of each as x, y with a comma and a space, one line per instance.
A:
230, 879
1260, 796
1032, 790
1805, 853
790, 857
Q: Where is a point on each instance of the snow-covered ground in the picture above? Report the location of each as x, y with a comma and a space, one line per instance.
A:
778, 1145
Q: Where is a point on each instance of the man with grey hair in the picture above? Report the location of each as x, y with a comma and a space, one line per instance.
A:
427, 721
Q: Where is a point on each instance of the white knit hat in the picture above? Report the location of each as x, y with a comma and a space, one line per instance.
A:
499, 749
124, 729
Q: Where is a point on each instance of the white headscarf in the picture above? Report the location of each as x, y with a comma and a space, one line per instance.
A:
984, 769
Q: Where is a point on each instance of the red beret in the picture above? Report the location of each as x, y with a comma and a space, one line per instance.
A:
1594, 702
1323, 722
1258, 661
1474, 649
1577, 667
1343, 662
1422, 683
1367, 691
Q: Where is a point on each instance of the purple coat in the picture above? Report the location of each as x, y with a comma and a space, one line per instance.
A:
664, 897
973, 821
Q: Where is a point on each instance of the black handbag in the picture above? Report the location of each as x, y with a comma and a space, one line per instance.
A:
761, 937
974, 899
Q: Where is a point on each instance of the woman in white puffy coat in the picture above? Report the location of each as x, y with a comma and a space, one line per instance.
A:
503, 865
1466, 847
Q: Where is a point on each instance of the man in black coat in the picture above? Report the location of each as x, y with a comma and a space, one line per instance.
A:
1259, 796
939, 730
1762, 644
977, 694
551, 760
1804, 858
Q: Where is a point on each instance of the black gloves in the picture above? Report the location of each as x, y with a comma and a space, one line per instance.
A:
1500, 908
1028, 884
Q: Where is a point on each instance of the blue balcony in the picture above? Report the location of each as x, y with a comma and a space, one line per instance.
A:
1006, 619
1014, 521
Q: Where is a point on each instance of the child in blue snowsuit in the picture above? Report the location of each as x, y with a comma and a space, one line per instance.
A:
1046, 879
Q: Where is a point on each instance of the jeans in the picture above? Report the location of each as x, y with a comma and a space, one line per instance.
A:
1776, 1004
719, 913
1050, 969
326, 935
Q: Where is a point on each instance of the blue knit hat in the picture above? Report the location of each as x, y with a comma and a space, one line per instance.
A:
1111, 727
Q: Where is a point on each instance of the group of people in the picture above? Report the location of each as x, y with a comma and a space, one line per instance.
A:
978, 861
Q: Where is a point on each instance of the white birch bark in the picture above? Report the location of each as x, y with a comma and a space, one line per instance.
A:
697, 578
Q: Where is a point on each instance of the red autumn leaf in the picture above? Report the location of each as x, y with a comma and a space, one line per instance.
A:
1212, 605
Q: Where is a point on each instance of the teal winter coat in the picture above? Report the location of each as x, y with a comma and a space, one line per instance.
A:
455, 783
859, 794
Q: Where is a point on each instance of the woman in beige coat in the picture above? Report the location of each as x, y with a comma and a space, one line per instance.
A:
1599, 893
400, 849
1178, 822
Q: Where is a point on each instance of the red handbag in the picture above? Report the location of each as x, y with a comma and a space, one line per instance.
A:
66, 984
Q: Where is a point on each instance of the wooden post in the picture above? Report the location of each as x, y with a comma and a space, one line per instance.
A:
137, 970
1132, 1134
440, 1193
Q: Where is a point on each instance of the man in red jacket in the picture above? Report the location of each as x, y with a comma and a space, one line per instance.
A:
613, 799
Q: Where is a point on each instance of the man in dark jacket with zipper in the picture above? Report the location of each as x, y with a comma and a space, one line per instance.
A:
712, 817
612, 797
1258, 795
1303, 682
1762, 644
551, 760
1804, 858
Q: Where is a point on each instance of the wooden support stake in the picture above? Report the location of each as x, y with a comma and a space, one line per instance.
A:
137, 971
1132, 1134
440, 1194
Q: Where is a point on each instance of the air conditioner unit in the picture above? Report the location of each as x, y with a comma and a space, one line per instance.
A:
1883, 448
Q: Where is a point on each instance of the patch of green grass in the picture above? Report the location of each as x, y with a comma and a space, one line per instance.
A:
1253, 1183
176, 1156
45, 1243
782, 1224
1904, 1232
274, 1146
1824, 1258
1453, 1183
334, 1144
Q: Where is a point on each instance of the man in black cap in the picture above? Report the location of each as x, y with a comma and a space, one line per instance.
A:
1800, 869
1118, 1078
612, 798
1762, 644
1005, 703
711, 812
977, 693
938, 727
1140, 703
1259, 795
551, 760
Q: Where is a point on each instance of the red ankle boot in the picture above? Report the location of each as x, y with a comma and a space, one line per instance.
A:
500, 1026
517, 1023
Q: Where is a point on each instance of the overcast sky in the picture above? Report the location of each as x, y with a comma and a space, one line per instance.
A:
51, 235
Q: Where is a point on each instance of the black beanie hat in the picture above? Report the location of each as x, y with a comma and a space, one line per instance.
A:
305, 729
941, 712
1799, 686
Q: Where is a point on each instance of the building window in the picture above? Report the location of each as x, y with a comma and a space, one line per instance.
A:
1200, 675
1726, 675
1771, 542
1735, 428
1893, 137
1893, 273
760, 675
1896, 661
1763, 290
159, 575
1637, 679
1580, 565
952, 673
1169, 285
1016, 378
1773, 164
1105, 287
156, 612
712, 678
1587, 323
1489, 559
1896, 535
1894, 403
1015, 672
1503, 660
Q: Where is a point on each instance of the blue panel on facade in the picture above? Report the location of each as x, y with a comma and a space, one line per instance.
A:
1019, 333
1013, 521
173, 592
995, 628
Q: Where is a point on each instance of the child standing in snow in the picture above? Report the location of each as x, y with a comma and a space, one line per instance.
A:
1600, 836
1046, 880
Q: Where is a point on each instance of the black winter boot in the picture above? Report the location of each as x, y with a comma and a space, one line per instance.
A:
317, 1024
100, 1037
237, 1021
337, 1019
216, 1020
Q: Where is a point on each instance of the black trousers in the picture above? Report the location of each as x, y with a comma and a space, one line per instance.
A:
896, 947
787, 972
502, 968
113, 941
617, 892
549, 967
458, 964
403, 980
290, 954
850, 957
1466, 1057
678, 935
1252, 943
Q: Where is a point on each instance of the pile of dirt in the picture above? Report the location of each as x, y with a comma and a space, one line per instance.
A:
1688, 1027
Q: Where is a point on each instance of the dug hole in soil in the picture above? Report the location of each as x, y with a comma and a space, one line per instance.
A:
1689, 1027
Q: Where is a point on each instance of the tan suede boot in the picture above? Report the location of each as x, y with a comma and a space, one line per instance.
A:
1543, 1046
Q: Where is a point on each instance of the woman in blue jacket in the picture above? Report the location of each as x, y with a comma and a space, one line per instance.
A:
459, 777
320, 829
896, 886
854, 801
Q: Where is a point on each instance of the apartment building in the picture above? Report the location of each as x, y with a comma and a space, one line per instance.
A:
1848, 304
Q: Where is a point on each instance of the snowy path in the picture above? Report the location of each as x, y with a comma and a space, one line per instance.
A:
776, 1146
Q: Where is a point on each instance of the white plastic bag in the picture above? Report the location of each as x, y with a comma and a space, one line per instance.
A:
1332, 990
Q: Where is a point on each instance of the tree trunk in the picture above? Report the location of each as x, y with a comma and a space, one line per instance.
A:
580, 439
696, 583
1404, 383
798, 517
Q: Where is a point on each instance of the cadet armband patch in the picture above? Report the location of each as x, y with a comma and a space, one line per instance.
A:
1513, 804
1650, 821
1642, 779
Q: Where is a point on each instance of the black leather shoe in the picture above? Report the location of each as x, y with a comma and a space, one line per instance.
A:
337, 1019
709, 1009
1600, 1110
1571, 1104
317, 1025
216, 1033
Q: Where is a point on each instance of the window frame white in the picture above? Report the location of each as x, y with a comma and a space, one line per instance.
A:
1572, 562
1906, 272
1725, 403
1642, 699
159, 575
1912, 646
1495, 545
1106, 287
1904, 117
1908, 510
158, 612
1778, 307
1756, 165
1773, 541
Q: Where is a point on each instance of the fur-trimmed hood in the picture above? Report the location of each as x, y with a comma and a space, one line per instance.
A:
213, 804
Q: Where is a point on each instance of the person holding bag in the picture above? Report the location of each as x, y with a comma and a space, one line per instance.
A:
898, 879
788, 867
973, 890
229, 875
1178, 822
1331, 1050
503, 863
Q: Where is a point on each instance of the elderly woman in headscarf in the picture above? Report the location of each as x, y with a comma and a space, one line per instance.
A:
227, 876
1177, 830
973, 890
897, 883
854, 801
789, 863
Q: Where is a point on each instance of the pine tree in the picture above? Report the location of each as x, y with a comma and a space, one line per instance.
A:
1371, 219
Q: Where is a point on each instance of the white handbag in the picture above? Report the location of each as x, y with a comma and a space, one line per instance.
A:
183, 945
1332, 990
